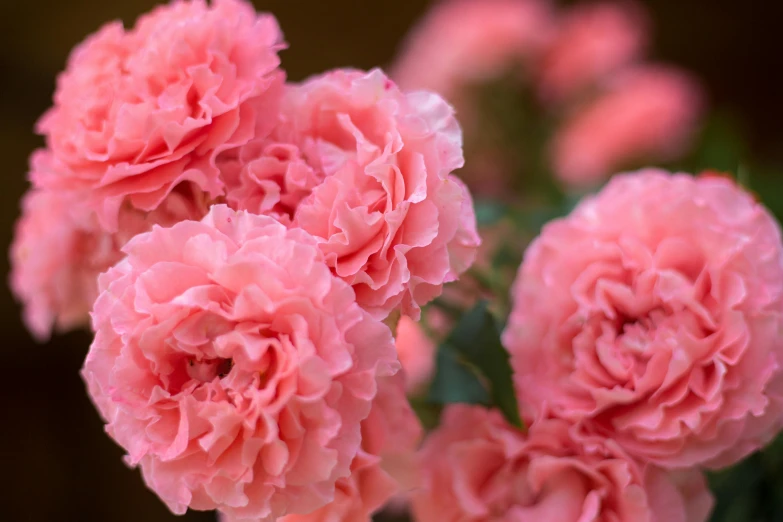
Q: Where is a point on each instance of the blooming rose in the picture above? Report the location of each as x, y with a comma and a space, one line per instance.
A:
384, 466
649, 112
416, 352
233, 367
59, 249
477, 468
56, 257
592, 41
268, 177
652, 314
461, 42
366, 169
137, 112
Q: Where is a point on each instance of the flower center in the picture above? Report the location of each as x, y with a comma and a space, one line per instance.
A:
206, 370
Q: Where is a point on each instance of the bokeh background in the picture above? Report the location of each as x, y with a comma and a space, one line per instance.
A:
57, 465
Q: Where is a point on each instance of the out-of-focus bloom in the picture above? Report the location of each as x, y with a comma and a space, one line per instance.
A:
652, 314
137, 112
56, 257
475, 467
462, 42
592, 40
384, 466
389, 217
233, 367
59, 249
416, 352
647, 113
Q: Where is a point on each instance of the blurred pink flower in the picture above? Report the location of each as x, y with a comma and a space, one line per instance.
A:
59, 249
652, 315
477, 468
416, 352
366, 169
56, 257
233, 367
461, 42
648, 113
593, 40
137, 112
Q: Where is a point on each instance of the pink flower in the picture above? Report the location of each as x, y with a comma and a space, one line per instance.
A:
56, 257
59, 249
384, 466
268, 177
477, 468
366, 169
137, 112
416, 352
592, 41
652, 314
471, 41
393, 432
233, 367
648, 114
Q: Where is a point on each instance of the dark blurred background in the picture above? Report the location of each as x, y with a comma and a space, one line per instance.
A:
57, 464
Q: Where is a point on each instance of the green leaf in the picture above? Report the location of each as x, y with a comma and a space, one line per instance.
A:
489, 212
720, 146
766, 183
474, 348
455, 380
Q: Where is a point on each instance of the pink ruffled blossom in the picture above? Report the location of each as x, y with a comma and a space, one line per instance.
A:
385, 465
648, 113
416, 352
592, 40
268, 177
233, 367
652, 314
137, 112
59, 249
462, 42
477, 468
366, 169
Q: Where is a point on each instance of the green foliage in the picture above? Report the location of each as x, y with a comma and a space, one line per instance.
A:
473, 367
720, 146
751, 490
490, 212
456, 380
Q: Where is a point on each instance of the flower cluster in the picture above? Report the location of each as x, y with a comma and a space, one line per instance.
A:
645, 344
584, 65
263, 263
238, 243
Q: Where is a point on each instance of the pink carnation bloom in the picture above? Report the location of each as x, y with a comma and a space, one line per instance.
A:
652, 314
233, 367
56, 257
416, 352
477, 468
384, 466
137, 112
592, 41
366, 169
648, 114
470, 41
59, 249
268, 177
